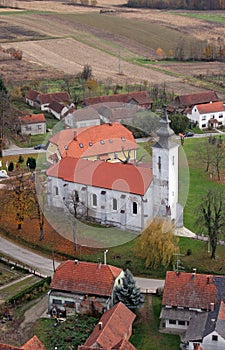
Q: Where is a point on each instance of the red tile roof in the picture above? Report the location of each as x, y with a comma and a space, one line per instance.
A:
94, 140
116, 325
197, 98
141, 97
57, 96
189, 290
32, 119
117, 176
85, 278
8, 347
32, 95
211, 107
33, 344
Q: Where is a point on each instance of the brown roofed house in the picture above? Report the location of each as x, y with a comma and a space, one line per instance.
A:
32, 344
112, 331
75, 281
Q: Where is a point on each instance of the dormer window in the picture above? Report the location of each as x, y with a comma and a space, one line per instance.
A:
81, 145
102, 142
90, 144
110, 141
123, 139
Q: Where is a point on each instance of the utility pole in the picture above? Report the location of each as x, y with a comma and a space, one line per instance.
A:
119, 68
178, 266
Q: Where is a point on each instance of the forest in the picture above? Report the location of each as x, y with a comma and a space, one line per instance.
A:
179, 4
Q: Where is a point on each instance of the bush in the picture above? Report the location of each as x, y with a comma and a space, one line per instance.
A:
189, 252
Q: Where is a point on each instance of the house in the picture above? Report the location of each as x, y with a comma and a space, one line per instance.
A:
109, 142
32, 124
208, 115
78, 283
42, 101
117, 112
112, 331
182, 102
32, 344
193, 306
120, 194
58, 110
80, 118
139, 98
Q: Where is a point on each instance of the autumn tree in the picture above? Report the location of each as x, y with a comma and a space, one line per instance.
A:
157, 244
211, 216
127, 292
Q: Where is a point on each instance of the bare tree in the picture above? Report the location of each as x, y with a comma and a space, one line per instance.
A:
211, 216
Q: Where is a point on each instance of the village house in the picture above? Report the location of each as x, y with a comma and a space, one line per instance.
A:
193, 306
84, 286
32, 344
208, 115
32, 124
138, 98
112, 112
42, 101
80, 118
109, 142
112, 331
58, 110
182, 102
120, 194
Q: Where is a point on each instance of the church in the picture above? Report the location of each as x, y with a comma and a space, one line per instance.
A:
123, 194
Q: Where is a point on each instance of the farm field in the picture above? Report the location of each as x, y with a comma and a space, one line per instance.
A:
58, 39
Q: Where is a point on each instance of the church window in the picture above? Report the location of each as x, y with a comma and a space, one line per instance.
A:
173, 159
56, 191
134, 207
159, 163
94, 200
114, 204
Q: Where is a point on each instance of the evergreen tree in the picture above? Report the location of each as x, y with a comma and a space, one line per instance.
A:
31, 163
11, 166
127, 292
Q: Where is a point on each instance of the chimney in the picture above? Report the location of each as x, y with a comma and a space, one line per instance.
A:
99, 263
76, 262
105, 252
208, 279
194, 273
75, 136
212, 306
100, 326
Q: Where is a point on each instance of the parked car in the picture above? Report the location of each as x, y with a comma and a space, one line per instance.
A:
41, 146
189, 134
3, 174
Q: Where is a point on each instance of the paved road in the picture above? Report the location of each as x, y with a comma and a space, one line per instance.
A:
45, 265
17, 150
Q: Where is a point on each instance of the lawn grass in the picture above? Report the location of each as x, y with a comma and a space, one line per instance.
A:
212, 17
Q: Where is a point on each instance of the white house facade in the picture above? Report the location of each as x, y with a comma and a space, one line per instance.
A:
208, 115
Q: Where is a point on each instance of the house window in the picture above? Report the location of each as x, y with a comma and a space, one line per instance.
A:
81, 145
173, 159
172, 322
181, 323
39, 127
94, 200
57, 301
56, 191
204, 117
159, 163
123, 139
134, 207
28, 128
90, 144
203, 125
214, 337
102, 142
114, 204
221, 116
115, 155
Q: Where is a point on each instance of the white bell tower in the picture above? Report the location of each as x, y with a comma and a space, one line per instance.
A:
165, 172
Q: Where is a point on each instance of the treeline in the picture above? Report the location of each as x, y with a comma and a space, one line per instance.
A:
179, 4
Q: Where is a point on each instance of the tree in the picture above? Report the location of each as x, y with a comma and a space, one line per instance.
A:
211, 216
31, 163
179, 123
157, 244
11, 166
86, 74
72, 202
127, 292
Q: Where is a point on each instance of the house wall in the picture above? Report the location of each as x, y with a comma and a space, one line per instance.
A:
203, 119
33, 129
210, 344
70, 120
123, 210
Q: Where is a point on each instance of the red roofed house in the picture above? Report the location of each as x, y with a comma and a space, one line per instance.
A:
120, 194
33, 124
109, 142
208, 115
42, 101
112, 331
139, 98
193, 306
182, 102
76, 283
32, 344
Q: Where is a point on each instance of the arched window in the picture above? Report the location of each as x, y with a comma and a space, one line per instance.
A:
134, 207
94, 200
114, 204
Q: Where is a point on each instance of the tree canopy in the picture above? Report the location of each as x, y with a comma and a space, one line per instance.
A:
158, 244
